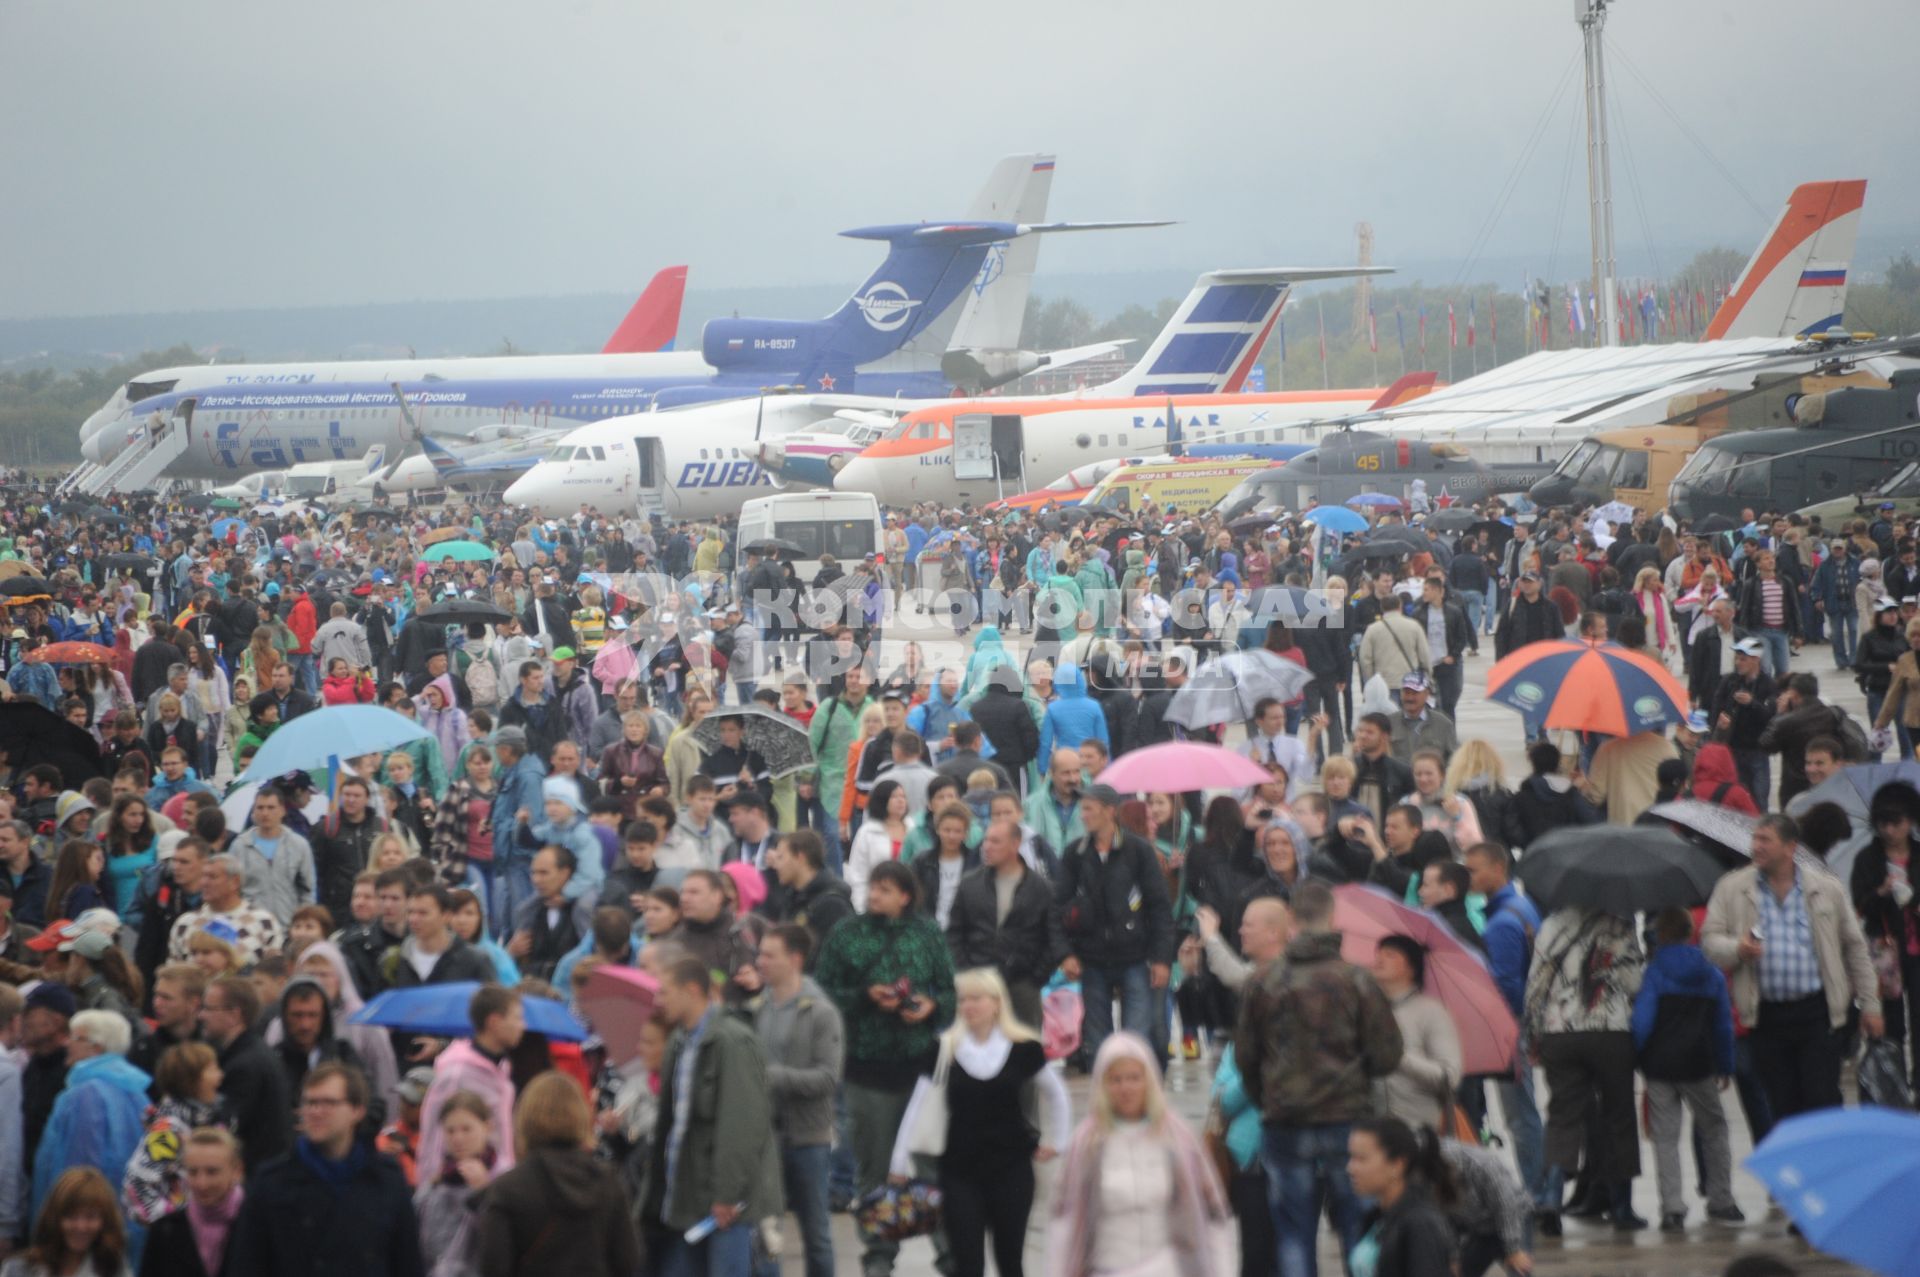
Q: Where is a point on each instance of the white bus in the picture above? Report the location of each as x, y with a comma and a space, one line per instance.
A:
844, 524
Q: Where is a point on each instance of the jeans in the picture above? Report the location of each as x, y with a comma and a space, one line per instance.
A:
1756, 774
814, 816
1307, 1172
1492, 602
1517, 1104
1473, 604
727, 1253
1846, 637
804, 1173
1779, 651
841, 1172
1448, 680
512, 886
1097, 988
306, 673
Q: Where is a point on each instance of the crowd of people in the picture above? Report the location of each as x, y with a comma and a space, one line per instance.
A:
885, 901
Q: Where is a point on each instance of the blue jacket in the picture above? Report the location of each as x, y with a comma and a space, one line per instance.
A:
98, 1121
563, 971
1071, 718
1682, 970
519, 788
934, 717
1242, 1114
36, 679
1512, 923
1833, 584
164, 789
576, 836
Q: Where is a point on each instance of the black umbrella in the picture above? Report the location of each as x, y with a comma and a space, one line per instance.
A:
32, 734
1493, 529
1452, 519
23, 587
781, 740
197, 500
772, 545
464, 612
1398, 538
72, 507
1714, 523
100, 514
1619, 869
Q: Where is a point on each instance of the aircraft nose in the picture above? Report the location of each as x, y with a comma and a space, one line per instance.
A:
104, 443
858, 475
521, 490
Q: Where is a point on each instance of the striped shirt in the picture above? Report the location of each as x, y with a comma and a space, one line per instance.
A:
1773, 607
1789, 967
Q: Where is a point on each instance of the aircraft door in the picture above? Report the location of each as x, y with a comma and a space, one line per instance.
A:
973, 439
1009, 454
646, 462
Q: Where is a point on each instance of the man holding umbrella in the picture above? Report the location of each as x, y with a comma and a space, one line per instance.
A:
1800, 964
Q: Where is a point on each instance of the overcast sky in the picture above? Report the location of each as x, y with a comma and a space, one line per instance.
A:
228, 152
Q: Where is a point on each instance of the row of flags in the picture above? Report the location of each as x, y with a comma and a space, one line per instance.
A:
1644, 312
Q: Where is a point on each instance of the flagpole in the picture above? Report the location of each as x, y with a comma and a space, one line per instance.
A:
1320, 309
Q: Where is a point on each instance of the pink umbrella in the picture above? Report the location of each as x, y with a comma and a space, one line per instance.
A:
1179, 766
617, 1002
1456, 976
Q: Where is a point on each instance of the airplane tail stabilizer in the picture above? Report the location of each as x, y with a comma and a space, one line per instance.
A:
1797, 281
654, 320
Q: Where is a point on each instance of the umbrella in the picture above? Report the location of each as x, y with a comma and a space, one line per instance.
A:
1845, 1176
1336, 518
317, 738
77, 653
11, 568
1454, 519
1498, 529
1401, 539
438, 535
237, 806
1588, 687
1614, 512
1374, 498
440, 1011
458, 552
31, 734
1182, 766
1457, 977
1851, 789
617, 1002
1226, 689
1620, 869
219, 527
781, 740
196, 501
772, 545
1723, 832
463, 612
224, 503
18, 589
100, 514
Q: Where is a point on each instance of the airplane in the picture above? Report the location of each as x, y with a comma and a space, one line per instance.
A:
685, 462
943, 285
485, 463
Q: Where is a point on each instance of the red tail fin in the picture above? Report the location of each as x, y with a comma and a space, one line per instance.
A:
654, 320
1410, 386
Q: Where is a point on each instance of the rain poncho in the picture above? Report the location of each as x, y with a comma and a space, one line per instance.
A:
1071, 718
989, 653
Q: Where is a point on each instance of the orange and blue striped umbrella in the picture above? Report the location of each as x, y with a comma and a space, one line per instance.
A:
1588, 687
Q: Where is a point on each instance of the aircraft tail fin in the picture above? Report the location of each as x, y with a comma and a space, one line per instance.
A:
1411, 385
1213, 339
443, 461
993, 309
376, 457
654, 320
1797, 281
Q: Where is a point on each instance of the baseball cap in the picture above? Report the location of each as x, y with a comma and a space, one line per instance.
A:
1697, 722
517, 737
1885, 604
51, 996
563, 654
1749, 647
1414, 682
89, 944
49, 940
413, 1087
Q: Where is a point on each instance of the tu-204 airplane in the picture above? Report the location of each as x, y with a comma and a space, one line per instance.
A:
948, 298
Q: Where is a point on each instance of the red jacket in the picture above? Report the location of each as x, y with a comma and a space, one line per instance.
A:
1713, 769
303, 621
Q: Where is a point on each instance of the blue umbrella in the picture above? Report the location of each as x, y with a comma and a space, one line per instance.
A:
1866, 778
440, 1010
1373, 498
219, 527
1845, 1176
319, 738
1336, 518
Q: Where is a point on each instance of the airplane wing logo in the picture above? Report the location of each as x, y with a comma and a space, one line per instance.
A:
991, 267
886, 306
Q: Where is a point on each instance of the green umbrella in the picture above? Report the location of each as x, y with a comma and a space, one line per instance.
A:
226, 503
459, 552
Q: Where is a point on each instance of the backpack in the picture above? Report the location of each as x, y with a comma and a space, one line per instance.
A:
483, 682
1851, 736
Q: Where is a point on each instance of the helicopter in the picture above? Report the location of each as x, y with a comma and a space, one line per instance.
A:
1350, 462
1842, 442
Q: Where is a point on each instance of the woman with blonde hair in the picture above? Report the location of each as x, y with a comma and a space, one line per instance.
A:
1137, 1196
259, 658
1663, 629
872, 721
683, 754
1477, 774
986, 1166
558, 1210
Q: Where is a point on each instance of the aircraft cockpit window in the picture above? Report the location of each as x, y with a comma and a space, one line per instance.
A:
561, 453
923, 430
1754, 480
138, 390
599, 454
1904, 483
899, 430
1632, 471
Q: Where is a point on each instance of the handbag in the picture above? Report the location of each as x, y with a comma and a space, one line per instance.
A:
1886, 966
928, 1138
1214, 1137
895, 1212
1883, 1075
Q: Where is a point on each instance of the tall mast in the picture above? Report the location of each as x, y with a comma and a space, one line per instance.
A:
1592, 17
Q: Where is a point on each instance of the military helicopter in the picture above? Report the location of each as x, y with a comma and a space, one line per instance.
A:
1351, 462
1842, 441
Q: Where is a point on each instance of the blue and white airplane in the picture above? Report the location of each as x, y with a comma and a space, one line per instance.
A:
939, 289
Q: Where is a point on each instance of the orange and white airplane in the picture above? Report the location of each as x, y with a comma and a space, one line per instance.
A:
981, 450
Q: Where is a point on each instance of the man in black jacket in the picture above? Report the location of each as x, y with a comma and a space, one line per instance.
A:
810, 896
1003, 917
548, 926
1712, 657
1530, 618
1149, 725
309, 1038
342, 844
1003, 715
167, 890
1741, 708
1116, 918
1455, 634
333, 1205
253, 1086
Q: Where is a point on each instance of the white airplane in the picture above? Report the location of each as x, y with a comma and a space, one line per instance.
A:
700, 462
